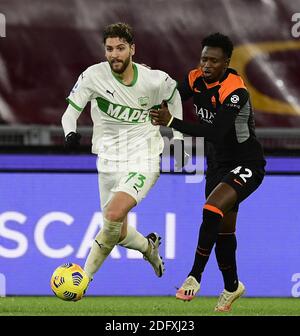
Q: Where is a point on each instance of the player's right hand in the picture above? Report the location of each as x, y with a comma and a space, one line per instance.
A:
162, 116
72, 140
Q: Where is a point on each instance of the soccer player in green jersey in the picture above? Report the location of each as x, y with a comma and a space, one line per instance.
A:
128, 146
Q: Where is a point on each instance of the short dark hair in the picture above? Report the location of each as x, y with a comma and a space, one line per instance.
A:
220, 41
121, 30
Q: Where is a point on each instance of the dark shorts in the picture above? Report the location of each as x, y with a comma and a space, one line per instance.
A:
243, 178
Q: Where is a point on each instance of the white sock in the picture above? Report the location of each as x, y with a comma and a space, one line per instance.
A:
104, 242
134, 240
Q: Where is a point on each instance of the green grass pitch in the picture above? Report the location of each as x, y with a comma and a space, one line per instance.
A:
146, 306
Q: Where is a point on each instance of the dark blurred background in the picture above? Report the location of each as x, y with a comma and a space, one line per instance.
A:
49, 43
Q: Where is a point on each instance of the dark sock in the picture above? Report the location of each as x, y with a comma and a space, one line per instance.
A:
207, 237
225, 253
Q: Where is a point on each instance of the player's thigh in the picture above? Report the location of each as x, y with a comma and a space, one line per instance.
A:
107, 182
213, 178
137, 184
119, 206
223, 196
244, 180
114, 204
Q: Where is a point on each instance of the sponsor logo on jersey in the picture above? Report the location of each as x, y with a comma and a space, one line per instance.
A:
204, 114
123, 113
111, 93
234, 99
143, 101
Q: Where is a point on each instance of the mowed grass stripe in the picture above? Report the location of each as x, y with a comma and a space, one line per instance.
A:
145, 306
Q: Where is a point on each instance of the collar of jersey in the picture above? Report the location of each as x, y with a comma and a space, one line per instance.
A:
227, 72
135, 76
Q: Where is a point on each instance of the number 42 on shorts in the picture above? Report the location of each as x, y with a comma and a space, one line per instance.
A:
243, 175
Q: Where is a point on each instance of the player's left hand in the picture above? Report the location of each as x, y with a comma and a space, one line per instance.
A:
162, 116
72, 141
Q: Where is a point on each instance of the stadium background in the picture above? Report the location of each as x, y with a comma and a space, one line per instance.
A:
49, 207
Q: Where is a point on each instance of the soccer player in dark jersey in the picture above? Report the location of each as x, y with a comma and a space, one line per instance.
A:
235, 160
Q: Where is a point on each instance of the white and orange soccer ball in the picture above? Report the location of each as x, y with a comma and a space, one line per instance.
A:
69, 282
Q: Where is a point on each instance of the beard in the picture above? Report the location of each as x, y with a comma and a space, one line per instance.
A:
121, 67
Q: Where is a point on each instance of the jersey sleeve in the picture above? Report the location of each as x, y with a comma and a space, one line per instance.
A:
223, 122
81, 93
235, 100
184, 89
168, 87
175, 108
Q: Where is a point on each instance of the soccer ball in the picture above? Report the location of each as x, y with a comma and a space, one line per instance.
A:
69, 282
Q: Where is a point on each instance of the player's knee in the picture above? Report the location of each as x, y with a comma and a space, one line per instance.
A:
210, 209
114, 215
